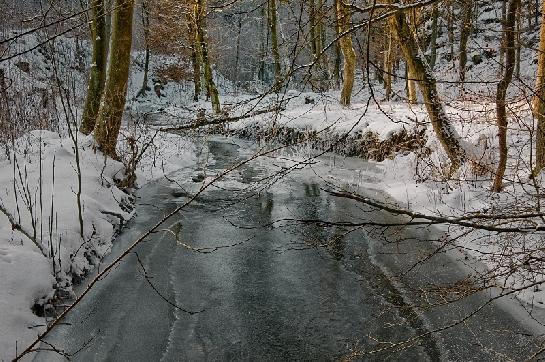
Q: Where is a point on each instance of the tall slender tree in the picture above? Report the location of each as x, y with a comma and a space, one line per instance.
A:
434, 31
97, 73
465, 31
115, 92
388, 66
349, 55
501, 91
337, 62
273, 25
146, 28
202, 39
195, 54
539, 99
444, 131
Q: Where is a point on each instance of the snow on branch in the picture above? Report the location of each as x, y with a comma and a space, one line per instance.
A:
16, 226
469, 221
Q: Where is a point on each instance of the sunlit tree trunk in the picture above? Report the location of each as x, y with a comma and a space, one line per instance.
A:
501, 92
202, 39
115, 91
411, 85
411, 75
97, 74
539, 99
444, 131
344, 18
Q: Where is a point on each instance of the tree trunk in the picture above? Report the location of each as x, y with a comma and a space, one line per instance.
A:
411, 76
195, 55
450, 28
518, 43
237, 52
411, 85
97, 73
446, 134
433, 40
539, 99
465, 31
320, 29
145, 26
502, 49
343, 16
263, 39
337, 64
202, 39
317, 34
501, 92
273, 24
115, 92
536, 13
312, 25
388, 67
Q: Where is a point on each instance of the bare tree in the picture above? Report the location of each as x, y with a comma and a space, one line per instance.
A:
349, 55
199, 10
97, 74
446, 134
501, 93
113, 101
539, 99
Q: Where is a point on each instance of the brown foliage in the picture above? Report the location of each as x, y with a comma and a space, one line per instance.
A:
174, 73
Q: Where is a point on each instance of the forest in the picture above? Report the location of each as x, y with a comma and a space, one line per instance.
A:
189, 180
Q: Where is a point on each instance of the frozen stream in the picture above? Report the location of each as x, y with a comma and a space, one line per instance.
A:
277, 295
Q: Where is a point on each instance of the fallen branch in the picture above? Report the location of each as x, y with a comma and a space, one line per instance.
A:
221, 120
464, 221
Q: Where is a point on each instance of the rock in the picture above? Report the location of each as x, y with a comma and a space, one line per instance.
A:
309, 100
198, 178
23, 66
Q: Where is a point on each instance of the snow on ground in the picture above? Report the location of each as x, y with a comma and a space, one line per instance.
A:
415, 181
43, 172
418, 181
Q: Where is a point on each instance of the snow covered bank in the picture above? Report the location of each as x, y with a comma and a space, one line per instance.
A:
39, 187
416, 177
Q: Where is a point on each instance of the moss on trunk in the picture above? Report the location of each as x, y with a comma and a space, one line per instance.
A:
115, 92
97, 74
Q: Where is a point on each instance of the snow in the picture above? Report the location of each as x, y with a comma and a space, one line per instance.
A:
414, 180
28, 275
